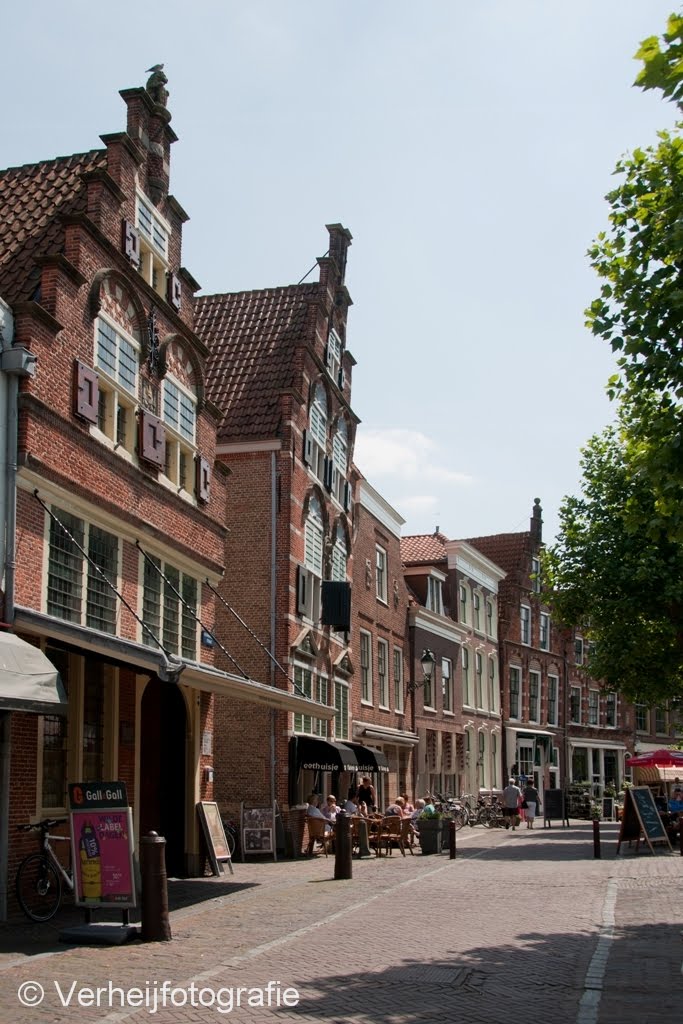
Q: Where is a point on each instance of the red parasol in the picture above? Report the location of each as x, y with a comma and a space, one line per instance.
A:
657, 759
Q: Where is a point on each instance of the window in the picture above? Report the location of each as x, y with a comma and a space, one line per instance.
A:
660, 721
466, 683
333, 356
515, 678
545, 632
169, 607
476, 611
593, 707
575, 705
180, 417
611, 710
316, 435
493, 686
55, 740
534, 696
481, 759
494, 760
155, 233
536, 575
578, 650
365, 668
341, 711
490, 619
76, 590
478, 684
447, 684
398, 679
642, 718
116, 359
434, 595
464, 612
525, 624
381, 573
304, 684
382, 673
340, 463
339, 555
309, 596
553, 689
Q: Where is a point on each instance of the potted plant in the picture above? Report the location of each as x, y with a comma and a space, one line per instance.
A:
429, 829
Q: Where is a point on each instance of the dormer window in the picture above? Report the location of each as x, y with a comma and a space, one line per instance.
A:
155, 234
333, 356
434, 595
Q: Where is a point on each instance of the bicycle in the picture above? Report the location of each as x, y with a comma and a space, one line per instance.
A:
232, 836
41, 876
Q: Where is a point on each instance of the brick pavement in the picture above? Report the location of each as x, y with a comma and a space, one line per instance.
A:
520, 926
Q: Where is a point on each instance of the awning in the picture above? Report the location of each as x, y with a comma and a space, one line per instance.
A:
530, 734
657, 774
28, 680
385, 734
369, 758
320, 755
149, 659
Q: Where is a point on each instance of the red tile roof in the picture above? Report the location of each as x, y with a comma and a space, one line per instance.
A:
252, 337
508, 550
423, 549
32, 198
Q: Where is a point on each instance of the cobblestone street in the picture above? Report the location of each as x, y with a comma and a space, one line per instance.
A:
524, 925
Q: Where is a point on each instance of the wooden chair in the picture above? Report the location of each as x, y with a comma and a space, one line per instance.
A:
317, 833
389, 832
407, 837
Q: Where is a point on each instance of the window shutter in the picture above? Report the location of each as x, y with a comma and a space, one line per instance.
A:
334, 477
341, 379
302, 588
347, 496
327, 473
203, 480
336, 598
86, 392
328, 356
174, 291
131, 243
151, 439
308, 448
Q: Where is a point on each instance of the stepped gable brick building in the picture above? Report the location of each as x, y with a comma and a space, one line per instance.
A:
112, 516
280, 373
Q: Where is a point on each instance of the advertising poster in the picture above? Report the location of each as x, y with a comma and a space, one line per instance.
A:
102, 845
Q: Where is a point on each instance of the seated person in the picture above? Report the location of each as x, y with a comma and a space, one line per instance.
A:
429, 805
676, 801
356, 806
396, 809
329, 809
313, 810
419, 808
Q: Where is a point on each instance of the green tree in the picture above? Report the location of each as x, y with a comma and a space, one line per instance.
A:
617, 568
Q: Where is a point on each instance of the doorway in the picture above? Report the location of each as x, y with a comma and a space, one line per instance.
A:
163, 757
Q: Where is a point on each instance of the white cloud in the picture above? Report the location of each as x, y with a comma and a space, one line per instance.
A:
406, 455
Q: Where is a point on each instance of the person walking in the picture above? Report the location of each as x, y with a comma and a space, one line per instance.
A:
512, 796
531, 802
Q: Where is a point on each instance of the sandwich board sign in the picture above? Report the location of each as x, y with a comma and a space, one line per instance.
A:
641, 819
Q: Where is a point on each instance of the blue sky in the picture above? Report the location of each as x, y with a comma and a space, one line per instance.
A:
466, 145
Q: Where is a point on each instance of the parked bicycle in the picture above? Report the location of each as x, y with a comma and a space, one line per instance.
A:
232, 835
41, 876
452, 807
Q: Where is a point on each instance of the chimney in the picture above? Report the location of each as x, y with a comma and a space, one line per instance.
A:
536, 525
340, 240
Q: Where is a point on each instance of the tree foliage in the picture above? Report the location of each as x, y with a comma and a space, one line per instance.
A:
617, 569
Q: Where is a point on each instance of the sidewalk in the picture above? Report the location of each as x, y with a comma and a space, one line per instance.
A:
518, 920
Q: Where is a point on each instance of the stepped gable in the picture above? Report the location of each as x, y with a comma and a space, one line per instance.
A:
423, 549
252, 338
508, 550
32, 199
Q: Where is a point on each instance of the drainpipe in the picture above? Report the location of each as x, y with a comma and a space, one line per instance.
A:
14, 363
273, 605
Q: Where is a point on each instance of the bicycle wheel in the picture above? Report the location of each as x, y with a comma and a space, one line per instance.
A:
230, 838
39, 887
460, 818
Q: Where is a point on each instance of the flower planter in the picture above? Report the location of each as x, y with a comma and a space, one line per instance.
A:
430, 835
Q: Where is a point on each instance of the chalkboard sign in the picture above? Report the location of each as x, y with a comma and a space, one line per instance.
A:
554, 807
641, 818
214, 834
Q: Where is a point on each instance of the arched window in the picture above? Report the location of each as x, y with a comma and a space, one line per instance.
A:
316, 438
340, 462
313, 537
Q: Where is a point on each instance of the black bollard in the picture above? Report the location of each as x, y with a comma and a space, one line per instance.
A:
156, 926
596, 840
680, 834
343, 864
451, 839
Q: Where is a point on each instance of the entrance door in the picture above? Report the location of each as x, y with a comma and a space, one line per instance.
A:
163, 727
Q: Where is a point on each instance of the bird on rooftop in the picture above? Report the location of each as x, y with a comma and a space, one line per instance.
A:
154, 68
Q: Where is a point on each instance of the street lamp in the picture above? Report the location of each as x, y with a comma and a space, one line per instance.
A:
428, 661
